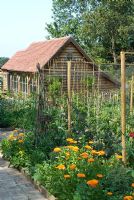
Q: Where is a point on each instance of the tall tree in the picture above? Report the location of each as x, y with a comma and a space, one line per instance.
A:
102, 27
3, 60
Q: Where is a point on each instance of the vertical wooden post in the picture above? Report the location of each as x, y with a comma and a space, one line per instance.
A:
69, 94
123, 105
131, 94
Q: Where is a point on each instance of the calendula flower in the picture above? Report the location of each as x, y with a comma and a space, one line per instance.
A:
90, 142
71, 141
21, 134
81, 175
109, 193
90, 160
118, 157
94, 152
93, 183
128, 198
72, 166
84, 155
99, 175
20, 141
132, 184
61, 167
88, 147
15, 131
66, 176
73, 148
101, 153
57, 149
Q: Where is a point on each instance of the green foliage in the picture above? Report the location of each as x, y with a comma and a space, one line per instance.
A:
103, 28
3, 60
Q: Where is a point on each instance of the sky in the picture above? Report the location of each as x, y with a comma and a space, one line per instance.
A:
21, 23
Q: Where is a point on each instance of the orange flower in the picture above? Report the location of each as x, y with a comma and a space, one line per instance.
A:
57, 149
66, 176
94, 152
73, 148
72, 167
67, 155
109, 193
90, 142
88, 147
90, 160
128, 198
99, 175
71, 141
81, 175
20, 141
101, 153
84, 155
61, 166
132, 184
21, 134
93, 183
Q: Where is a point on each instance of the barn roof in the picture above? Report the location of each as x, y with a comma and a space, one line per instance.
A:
42, 52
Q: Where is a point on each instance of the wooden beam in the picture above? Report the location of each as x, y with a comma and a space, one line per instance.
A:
123, 105
69, 94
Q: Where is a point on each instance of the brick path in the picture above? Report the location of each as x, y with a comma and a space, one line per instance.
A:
14, 186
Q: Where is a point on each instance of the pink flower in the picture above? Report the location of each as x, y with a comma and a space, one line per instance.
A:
131, 134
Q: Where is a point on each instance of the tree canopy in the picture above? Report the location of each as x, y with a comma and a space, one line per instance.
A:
3, 60
102, 27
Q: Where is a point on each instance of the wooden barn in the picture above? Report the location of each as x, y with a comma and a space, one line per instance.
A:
53, 57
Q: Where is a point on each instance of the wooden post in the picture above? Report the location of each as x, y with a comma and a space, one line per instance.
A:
131, 94
123, 105
69, 94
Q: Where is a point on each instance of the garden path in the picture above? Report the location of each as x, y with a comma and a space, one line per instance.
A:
14, 185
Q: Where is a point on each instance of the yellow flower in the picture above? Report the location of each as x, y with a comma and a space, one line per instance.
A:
73, 148
72, 166
71, 141
20, 141
132, 184
66, 176
93, 183
99, 175
61, 166
101, 153
90, 142
88, 147
128, 198
15, 131
11, 137
118, 157
56, 150
21, 134
94, 152
84, 155
81, 175
90, 160
109, 193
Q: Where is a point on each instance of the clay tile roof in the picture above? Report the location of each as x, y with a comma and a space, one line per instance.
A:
39, 52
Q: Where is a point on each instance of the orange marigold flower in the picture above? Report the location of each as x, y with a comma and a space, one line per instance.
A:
93, 183
72, 166
81, 175
66, 176
101, 153
15, 131
84, 155
118, 157
79, 158
57, 149
99, 175
90, 160
73, 148
109, 193
128, 198
20, 141
88, 147
61, 166
90, 142
132, 184
71, 141
94, 152
21, 134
